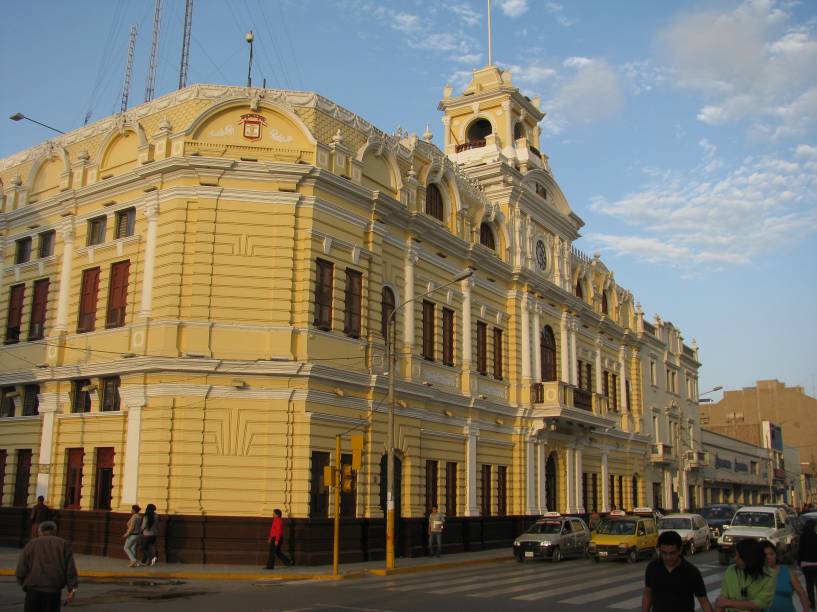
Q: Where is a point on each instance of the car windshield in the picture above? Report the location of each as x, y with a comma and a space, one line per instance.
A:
717, 512
550, 527
753, 519
675, 523
617, 527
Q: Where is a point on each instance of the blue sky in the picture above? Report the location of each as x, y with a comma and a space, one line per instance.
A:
683, 133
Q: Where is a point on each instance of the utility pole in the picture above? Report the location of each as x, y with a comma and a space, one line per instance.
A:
150, 83
188, 25
128, 70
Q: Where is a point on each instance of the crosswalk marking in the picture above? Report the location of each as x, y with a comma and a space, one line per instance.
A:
513, 580
580, 577
604, 594
635, 602
449, 582
545, 593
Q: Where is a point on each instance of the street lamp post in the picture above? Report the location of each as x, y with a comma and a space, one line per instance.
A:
708, 400
391, 358
249, 38
21, 116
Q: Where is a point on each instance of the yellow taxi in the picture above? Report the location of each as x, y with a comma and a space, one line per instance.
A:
622, 536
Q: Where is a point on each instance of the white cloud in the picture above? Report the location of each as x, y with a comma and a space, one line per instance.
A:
531, 74
557, 12
577, 62
692, 219
749, 65
645, 76
514, 8
465, 13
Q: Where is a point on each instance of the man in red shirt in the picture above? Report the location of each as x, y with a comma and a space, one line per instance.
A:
276, 534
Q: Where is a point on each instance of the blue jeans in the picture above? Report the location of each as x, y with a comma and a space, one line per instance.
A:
435, 537
130, 546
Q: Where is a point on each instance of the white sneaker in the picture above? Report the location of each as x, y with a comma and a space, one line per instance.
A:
154, 560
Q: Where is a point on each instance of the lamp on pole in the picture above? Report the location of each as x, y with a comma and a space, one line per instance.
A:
249, 38
391, 359
708, 400
21, 116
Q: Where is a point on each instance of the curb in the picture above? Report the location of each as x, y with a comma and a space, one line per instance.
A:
441, 565
266, 577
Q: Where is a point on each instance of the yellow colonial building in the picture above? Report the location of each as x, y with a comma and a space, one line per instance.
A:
196, 294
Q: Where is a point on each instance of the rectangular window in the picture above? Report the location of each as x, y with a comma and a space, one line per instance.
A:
31, 401
428, 330
110, 394
39, 302
15, 314
96, 230
87, 300
580, 372
588, 381
448, 336
614, 393
482, 349
497, 353
352, 301
3, 459
502, 490
348, 502
486, 490
117, 294
125, 223
103, 485
7, 407
46, 244
431, 485
22, 250
73, 478
605, 383
323, 295
81, 395
318, 489
451, 488
23, 477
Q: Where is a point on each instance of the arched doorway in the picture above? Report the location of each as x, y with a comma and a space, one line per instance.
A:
478, 130
398, 487
551, 489
548, 354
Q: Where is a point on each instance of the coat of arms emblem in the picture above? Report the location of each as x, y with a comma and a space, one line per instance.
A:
252, 125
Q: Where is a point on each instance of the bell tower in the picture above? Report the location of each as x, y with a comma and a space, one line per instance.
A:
492, 121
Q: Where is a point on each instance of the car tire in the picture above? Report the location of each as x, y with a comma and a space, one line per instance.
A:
723, 559
556, 556
632, 556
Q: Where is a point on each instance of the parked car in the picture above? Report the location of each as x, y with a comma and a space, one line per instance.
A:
691, 527
624, 537
804, 518
554, 537
759, 523
717, 516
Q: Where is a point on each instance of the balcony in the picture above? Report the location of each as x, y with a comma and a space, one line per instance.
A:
556, 399
697, 459
477, 143
661, 453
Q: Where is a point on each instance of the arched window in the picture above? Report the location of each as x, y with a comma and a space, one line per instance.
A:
478, 130
486, 236
551, 492
548, 354
579, 290
386, 308
635, 491
434, 202
518, 130
604, 309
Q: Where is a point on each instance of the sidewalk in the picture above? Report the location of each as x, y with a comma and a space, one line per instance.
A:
90, 566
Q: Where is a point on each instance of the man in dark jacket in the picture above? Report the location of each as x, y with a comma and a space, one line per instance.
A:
45, 566
39, 514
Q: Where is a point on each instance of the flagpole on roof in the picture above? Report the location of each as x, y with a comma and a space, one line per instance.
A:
490, 50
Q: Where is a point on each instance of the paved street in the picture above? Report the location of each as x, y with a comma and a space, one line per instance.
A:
569, 586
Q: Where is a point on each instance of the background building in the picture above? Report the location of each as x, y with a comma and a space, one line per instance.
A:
737, 472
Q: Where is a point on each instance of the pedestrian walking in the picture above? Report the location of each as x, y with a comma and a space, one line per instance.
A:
786, 583
275, 540
39, 514
807, 554
595, 519
748, 584
45, 566
132, 533
148, 532
436, 522
671, 583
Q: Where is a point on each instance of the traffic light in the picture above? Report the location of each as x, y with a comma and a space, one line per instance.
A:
357, 451
347, 479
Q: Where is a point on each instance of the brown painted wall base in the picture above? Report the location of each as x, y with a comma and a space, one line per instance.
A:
243, 540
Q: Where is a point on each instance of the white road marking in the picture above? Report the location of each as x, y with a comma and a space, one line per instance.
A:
635, 602
545, 593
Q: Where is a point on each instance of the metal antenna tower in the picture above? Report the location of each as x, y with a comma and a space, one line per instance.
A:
128, 70
188, 23
154, 50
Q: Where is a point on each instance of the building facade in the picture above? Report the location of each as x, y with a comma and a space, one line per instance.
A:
738, 472
197, 297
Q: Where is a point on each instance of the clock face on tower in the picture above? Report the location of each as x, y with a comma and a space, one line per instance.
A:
541, 256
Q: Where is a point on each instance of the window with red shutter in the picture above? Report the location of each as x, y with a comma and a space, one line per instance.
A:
482, 349
486, 490
15, 314
103, 485
117, 294
502, 490
73, 478
448, 336
36, 326
497, 354
125, 222
87, 300
323, 295
352, 302
23, 477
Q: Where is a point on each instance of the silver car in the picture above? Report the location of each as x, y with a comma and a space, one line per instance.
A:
553, 537
692, 528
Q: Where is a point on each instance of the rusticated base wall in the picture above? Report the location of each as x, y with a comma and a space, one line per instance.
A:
243, 540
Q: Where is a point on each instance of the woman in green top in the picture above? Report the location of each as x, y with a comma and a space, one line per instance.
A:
747, 585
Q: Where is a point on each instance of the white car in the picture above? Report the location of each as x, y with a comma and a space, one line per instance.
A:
759, 523
691, 527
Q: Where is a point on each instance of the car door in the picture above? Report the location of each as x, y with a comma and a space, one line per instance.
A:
641, 536
568, 541
582, 536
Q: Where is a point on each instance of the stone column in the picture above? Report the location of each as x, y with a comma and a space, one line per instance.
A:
579, 488
605, 483
471, 507
530, 476
66, 263
525, 324
134, 397
564, 343
412, 255
467, 353
149, 265
537, 345
570, 482
622, 381
48, 407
